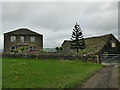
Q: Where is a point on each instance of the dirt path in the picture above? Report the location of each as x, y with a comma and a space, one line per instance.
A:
105, 78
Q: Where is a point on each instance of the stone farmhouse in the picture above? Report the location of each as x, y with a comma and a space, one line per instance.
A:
105, 44
21, 38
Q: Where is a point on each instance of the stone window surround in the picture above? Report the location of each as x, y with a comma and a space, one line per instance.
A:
11, 48
32, 48
32, 39
22, 38
113, 44
13, 38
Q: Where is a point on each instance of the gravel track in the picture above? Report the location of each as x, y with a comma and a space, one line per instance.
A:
104, 78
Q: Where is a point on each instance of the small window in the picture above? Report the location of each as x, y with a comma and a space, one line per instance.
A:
22, 39
13, 38
32, 48
12, 49
32, 39
113, 44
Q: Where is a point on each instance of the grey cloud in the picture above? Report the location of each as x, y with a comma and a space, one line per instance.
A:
56, 20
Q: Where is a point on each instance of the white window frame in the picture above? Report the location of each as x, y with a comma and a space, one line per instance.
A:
32, 39
22, 39
32, 48
12, 49
13, 38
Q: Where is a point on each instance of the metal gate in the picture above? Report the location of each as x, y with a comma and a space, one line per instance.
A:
110, 58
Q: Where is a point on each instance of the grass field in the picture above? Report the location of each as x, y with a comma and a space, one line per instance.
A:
32, 73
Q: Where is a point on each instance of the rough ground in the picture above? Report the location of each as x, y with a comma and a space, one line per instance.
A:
105, 78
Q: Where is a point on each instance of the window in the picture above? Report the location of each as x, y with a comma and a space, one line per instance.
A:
13, 38
113, 44
12, 49
32, 39
32, 48
22, 39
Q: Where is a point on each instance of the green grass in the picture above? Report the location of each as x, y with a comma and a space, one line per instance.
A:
32, 73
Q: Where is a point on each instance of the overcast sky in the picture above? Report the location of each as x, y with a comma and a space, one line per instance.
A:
56, 20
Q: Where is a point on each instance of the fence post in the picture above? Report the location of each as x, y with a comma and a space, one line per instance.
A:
98, 60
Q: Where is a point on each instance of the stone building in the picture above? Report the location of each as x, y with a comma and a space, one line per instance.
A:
96, 45
23, 37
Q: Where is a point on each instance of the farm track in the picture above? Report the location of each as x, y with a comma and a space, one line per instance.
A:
105, 78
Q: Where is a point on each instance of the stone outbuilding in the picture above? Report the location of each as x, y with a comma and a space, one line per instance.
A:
105, 44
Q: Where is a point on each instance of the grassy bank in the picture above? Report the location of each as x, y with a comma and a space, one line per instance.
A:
32, 73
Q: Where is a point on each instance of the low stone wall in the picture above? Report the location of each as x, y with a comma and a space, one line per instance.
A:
63, 56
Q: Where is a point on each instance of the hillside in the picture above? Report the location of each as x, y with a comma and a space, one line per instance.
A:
49, 49
1, 50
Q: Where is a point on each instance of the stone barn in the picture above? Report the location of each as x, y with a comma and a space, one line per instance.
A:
23, 37
105, 44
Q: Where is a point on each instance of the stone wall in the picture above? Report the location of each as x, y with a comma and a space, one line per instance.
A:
58, 56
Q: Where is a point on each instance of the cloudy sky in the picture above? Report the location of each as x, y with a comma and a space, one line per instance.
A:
55, 20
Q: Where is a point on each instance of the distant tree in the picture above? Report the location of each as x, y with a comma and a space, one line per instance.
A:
77, 38
43, 51
57, 49
60, 48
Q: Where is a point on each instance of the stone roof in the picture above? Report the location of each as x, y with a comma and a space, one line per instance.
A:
22, 31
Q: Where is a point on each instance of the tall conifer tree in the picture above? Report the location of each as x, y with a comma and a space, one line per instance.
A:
77, 38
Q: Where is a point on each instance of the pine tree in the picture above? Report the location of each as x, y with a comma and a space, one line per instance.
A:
77, 38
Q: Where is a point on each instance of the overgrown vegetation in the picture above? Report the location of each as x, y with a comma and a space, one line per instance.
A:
22, 50
58, 49
34, 73
94, 44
